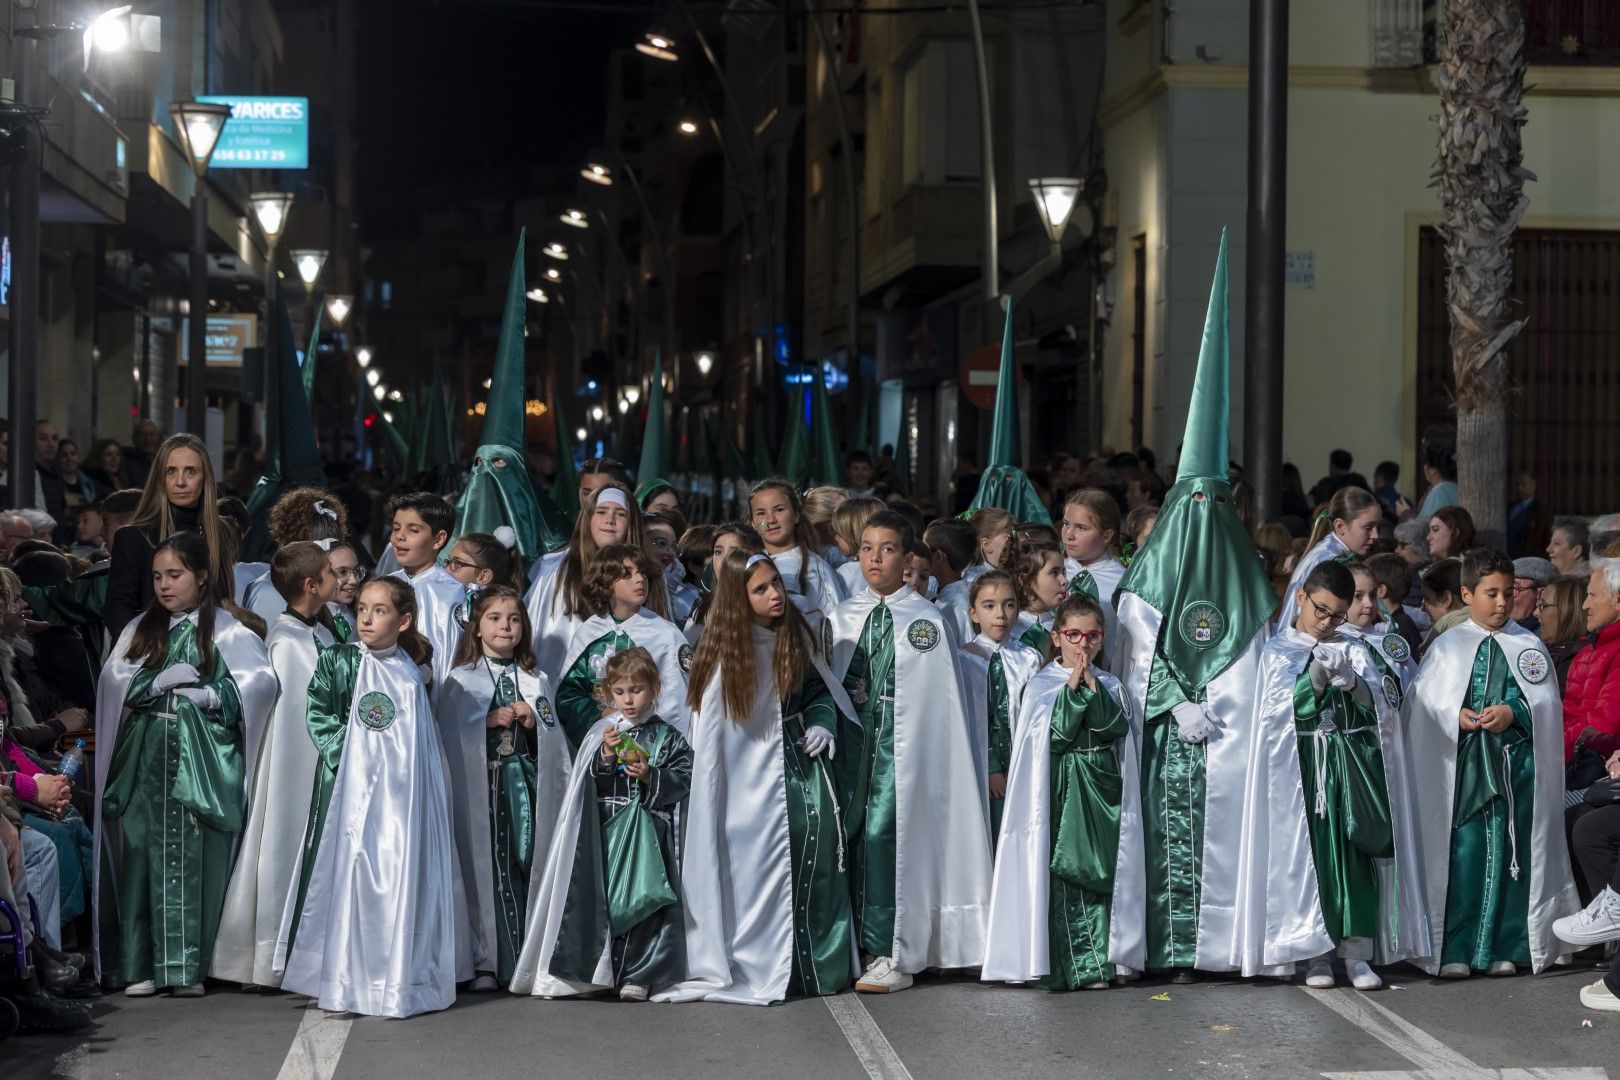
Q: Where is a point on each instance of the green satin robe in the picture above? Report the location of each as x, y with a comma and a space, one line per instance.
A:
577, 704
1173, 783
1038, 638
1086, 791
1000, 735
176, 784
331, 691
823, 924
1354, 826
869, 681
1487, 903
510, 754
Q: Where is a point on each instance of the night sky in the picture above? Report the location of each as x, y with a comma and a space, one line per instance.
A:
450, 86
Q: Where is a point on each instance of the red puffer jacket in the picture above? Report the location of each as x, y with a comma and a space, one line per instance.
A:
1592, 697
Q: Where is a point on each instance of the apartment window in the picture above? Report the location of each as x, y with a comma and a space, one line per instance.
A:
939, 115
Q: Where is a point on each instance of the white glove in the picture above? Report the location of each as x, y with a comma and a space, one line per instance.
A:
1192, 722
1336, 662
818, 741
173, 676
203, 697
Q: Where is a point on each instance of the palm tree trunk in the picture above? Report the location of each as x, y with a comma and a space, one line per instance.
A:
1481, 178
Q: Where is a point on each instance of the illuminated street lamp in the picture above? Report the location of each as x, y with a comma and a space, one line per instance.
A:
338, 307
1055, 199
379, 391
538, 295
555, 250
688, 127
658, 47
597, 174
582, 434
270, 210
363, 355
553, 274
596, 413
632, 394
373, 376
308, 262
624, 406
705, 362
575, 218
395, 396
198, 124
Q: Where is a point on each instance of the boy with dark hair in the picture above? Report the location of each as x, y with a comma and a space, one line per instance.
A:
1385, 477
282, 774
419, 525
858, 473
952, 545
1394, 577
919, 820
1484, 718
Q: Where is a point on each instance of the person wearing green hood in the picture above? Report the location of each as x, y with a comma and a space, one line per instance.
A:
1004, 484
1192, 613
499, 491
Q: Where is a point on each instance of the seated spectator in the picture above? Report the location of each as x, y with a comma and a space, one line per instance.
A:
35, 992
1442, 598
1568, 549
106, 465
55, 663
1592, 696
1451, 532
1563, 623
1530, 575
42, 524
1412, 542
89, 534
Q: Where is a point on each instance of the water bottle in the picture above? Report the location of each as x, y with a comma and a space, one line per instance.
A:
73, 762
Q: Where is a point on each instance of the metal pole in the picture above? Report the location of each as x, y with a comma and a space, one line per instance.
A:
663, 261
1263, 313
990, 257
197, 326
23, 340
846, 151
272, 381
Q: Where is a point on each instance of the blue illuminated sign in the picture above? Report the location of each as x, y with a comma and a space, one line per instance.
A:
262, 133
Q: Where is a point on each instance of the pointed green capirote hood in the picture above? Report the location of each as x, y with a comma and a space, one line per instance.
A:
794, 464
565, 491
310, 353
1198, 568
503, 412
1005, 441
292, 455
828, 463
435, 431
653, 462
1205, 450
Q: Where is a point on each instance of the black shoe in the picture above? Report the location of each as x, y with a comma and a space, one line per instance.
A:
76, 961
1183, 978
45, 1014
56, 977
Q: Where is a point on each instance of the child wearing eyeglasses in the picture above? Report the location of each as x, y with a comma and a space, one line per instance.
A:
1069, 862
1328, 742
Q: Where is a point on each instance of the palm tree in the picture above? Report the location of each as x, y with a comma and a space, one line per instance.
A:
1480, 174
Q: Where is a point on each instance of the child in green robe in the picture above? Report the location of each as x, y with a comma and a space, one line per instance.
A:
1042, 585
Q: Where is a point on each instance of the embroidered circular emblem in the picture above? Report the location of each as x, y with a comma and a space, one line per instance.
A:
1534, 666
459, 614
1202, 624
686, 658
1392, 691
1396, 648
377, 710
546, 713
923, 635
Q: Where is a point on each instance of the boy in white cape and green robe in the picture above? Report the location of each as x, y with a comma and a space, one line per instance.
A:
919, 821
1192, 613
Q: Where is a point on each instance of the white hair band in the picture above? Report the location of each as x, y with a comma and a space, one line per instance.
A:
612, 496
325, 511
755, 560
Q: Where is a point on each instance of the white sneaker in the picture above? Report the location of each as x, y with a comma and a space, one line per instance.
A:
1362, 976
484, 984
1600, 922
882, 978
632, 992
192, 991
144, 988
1599, 997
1501, 968
1319, 975
1103, 984
1455, 971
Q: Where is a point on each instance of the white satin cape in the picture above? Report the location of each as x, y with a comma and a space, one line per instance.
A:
553, 626
280, 776
737, 866
1018, 948
1329, 547
942, 815
1107, 572
438, 595
953, 601
1019, 663
813, 588
1226, 763
1430, 716
462, 704
256, 685
660, 638
377, 931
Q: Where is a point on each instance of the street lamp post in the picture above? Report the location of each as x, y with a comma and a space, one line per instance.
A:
199, 124
1055, 200
270, 210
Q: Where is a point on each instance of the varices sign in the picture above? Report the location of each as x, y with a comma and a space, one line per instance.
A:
263, 133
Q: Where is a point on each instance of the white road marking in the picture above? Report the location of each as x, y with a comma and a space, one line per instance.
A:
317, 1046
1433, 1058
871, 1046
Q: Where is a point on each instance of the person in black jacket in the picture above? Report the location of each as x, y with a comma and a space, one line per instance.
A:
181, 495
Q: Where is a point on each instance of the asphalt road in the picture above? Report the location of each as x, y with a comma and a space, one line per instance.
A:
1520, 1028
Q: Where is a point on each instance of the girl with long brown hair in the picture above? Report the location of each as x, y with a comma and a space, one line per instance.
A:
557, 599
764, 817
186, 688
777, 513
1344, 530
181, 495
509, 763
380, 837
